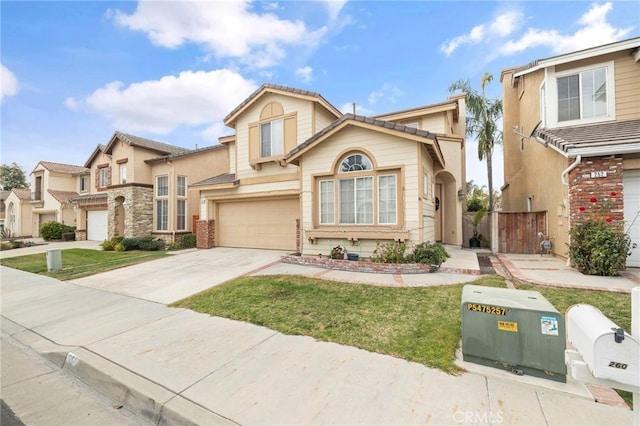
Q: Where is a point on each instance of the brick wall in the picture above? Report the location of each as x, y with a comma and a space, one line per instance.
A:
205, 235
593, 195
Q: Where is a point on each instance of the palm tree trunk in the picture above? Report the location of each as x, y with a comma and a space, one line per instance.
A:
490, 179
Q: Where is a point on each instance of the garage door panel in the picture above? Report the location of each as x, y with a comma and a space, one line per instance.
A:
97, 225
631, 182
269, 224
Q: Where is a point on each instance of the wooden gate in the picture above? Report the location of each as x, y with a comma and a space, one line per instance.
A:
518, 231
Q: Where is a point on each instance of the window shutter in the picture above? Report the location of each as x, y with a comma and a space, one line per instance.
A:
290, 133
254, 144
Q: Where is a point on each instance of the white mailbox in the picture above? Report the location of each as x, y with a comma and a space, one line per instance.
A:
609, 352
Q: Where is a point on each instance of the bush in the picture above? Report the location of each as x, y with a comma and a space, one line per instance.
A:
391, 253
53, 230
142, 243
433, 254
189, 241
109, 245
598, 248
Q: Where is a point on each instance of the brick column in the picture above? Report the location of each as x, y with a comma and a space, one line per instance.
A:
298, 237
205, 235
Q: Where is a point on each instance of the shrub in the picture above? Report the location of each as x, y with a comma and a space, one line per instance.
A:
597, 248
433, 254
118, 247
142, 243
189, 241
109, 245
393, 252
53, 230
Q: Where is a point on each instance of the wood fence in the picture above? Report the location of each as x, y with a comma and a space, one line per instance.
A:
518, 231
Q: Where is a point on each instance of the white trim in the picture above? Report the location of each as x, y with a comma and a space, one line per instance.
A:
583, 54
552, 95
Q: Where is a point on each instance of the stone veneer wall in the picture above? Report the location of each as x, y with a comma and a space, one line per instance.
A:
606, 191
205, 235
138, 220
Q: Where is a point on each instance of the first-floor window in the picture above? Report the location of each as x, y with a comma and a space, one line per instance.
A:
162, 215
387, 199
327, 202
356, 200
181, 221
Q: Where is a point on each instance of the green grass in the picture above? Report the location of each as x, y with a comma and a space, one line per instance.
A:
78, 263
419, 324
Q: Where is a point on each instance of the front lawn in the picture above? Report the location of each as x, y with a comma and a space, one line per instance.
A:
419, 324
78, 263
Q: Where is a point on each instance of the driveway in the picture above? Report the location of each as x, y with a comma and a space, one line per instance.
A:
183, 274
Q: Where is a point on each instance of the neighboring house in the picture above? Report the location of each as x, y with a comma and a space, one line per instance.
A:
3, 208
587, 142
52, 186
138, 187
304, 177
18, 213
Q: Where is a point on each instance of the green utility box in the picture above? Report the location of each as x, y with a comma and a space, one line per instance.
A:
515, 330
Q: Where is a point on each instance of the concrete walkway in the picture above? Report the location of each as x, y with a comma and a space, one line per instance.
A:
175, 366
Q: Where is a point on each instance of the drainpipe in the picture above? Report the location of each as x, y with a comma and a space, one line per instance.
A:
571, 167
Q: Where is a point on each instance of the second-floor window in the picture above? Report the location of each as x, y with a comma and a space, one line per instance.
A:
104, 177
271, 139
582, 95
162, 203
83, 183
123, 173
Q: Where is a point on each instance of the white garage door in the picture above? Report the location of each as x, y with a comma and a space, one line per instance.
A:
269, 224
97, 225
631, 184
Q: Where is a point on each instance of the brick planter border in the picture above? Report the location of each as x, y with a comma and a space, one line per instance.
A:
371, 267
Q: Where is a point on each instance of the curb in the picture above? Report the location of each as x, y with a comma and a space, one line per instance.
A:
146, 399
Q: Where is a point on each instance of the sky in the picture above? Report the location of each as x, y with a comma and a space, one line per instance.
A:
74, 72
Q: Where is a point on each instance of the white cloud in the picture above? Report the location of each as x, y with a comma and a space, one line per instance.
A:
334, 7
8, 82
389, 92
228, 29
193, 98
347, 108
501, 25
305, 73
594, 29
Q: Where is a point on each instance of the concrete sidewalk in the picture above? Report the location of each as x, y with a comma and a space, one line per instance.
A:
175, 366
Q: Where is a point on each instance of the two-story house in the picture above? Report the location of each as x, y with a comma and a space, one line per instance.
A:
52, 186
304, 177
136, 187
572, 137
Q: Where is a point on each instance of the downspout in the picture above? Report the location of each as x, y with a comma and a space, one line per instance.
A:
571, 167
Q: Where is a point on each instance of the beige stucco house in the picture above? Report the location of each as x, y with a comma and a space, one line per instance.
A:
304, 177
572, 135
137, 187
52, 186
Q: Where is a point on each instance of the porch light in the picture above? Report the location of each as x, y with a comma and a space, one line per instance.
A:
460, 194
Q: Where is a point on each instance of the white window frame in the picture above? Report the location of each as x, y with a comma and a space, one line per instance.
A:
552, 95
360, 215
276, 141
181, 203
162, 203
123, 173
327, 202
393, 199
104, 177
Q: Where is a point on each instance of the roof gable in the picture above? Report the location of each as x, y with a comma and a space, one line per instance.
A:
420, 136
22, 194
62, 196
231, 118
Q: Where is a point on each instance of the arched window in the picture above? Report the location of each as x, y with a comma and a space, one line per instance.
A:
355, 163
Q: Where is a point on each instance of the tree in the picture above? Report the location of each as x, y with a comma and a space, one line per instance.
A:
12, 176
482, 117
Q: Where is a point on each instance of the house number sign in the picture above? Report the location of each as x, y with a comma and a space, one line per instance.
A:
598, 174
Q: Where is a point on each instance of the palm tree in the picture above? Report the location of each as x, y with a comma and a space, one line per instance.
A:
482, 117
